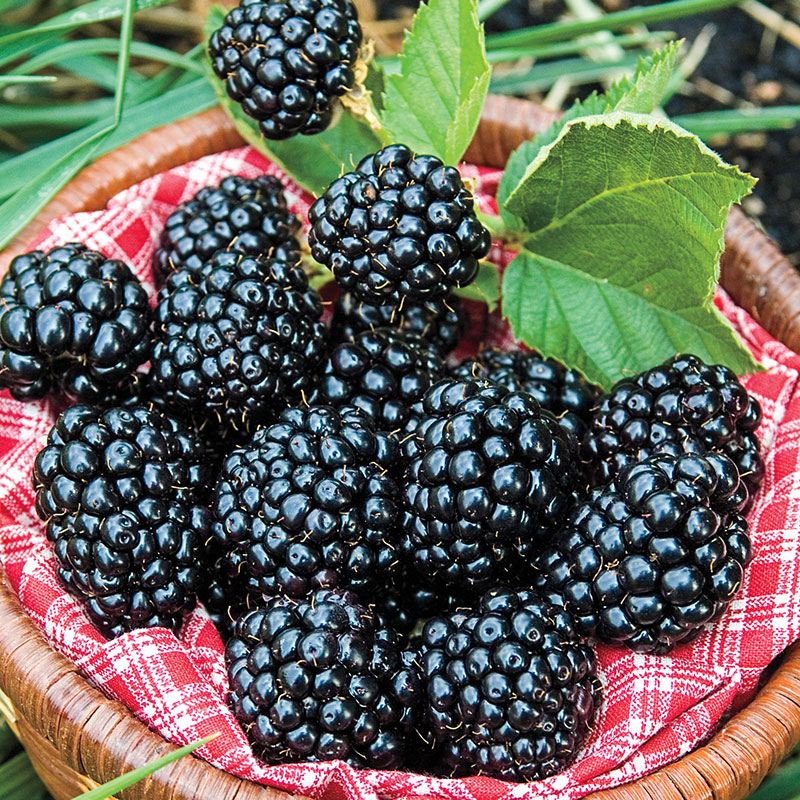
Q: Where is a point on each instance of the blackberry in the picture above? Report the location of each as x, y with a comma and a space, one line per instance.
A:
655, 554
563, 391
317, 680
121, 491
441, 322
71, 321
309, 503
286, 63
240, 344
400, 228
244, 215
490, 475
681, 406
510, 689
383, 372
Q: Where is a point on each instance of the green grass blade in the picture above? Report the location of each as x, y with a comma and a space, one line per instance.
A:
487, 7
129, 778
577, 70
136, 119
8, 742
617, 20
740, 120
18, 781
71, 115
84, 47
7, 80
96, 11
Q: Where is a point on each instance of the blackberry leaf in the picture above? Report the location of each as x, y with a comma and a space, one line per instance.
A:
640, 94
627, 258
434, 103
486, 286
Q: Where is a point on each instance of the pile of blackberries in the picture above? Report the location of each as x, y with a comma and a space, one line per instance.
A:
407, 558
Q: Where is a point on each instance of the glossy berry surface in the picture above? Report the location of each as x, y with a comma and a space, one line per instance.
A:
286, 63
490, 475
510, 689
71, 321
309, 503
654, 555
243, 215
383, 372
441, 323
122, 492
318, 680
680, 406
400, 227
563, 391
239, 345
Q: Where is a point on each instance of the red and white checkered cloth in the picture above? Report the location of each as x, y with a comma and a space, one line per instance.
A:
655, 709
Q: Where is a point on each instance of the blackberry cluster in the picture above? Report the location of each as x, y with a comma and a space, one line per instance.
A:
510, 689
681, 406
654, 555
240, 344
71, 321
563, 391
383, 372
402, 226
287, 62
122, 492
243, 215
442, 323
318, 679
490, 476
309, 503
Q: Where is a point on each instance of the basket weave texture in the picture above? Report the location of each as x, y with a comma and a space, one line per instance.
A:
703, 686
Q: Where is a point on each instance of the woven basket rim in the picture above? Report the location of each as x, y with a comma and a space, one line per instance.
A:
100, 738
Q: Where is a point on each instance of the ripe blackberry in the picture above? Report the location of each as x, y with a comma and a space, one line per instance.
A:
441, 323
654, 555
309, 503
490, 475
287, 62
243, 215
401, 227
71, 321
240, 344
563, 391
317, 680
121, 493
383, 372
681, 406
510, 689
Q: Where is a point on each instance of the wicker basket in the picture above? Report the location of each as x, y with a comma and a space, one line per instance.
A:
76, 737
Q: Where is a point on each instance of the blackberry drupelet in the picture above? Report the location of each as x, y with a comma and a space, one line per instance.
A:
71, 321
510, 689
563, 391
122, 492
400, 228
317, 680
240, 344
244, 215
383, 372
441, 322
310, 503
286, 63
681, 406
654, 555
490, 476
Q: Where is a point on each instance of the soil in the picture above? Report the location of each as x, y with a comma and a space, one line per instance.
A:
745, 65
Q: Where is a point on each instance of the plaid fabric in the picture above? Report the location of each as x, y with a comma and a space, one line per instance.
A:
655, 708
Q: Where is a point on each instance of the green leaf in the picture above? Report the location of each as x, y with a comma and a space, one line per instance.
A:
485, 288
641, 94
312, 161
376, 84
136, 775
625, 216
433, 104
18, 781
